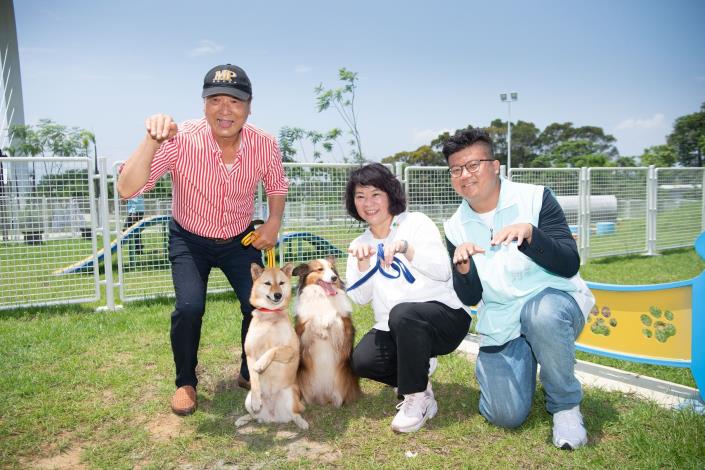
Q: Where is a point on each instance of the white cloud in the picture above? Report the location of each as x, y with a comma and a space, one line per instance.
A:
205, 47
302, 69
425, 136
657, 121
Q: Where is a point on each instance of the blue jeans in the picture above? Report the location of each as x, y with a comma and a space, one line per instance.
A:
550, 322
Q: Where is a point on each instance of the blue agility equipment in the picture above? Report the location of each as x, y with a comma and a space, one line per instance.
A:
397, 265
86, 264
322, 246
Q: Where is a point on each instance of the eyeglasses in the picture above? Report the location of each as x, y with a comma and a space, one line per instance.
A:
472, 166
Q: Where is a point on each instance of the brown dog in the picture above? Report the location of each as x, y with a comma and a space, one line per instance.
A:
272, 349
326, 333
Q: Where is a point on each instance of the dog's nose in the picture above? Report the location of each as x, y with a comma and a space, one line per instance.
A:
333, 278
277, 296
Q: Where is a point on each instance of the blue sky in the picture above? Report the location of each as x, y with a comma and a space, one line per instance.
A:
629, 66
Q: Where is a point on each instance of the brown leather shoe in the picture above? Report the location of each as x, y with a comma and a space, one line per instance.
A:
242, 382
184, 400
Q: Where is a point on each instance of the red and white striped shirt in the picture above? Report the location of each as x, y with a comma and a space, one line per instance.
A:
207, 199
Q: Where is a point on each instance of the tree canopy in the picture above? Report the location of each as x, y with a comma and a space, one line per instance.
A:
688, 138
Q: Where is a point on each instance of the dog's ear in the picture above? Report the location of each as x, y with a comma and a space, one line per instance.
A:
301, 270
288, 267
331, 260
256, 270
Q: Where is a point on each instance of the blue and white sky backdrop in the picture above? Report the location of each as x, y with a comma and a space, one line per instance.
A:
629, 66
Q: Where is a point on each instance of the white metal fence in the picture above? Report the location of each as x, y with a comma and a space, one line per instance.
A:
48, 221
54, 237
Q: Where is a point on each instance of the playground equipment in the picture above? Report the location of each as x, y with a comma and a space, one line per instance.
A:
86, 264
319, 245
661, 324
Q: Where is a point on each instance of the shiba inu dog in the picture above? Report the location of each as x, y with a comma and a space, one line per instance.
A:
272, 349
326, 334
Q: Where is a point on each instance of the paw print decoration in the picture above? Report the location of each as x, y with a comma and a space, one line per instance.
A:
657, 324
601, 320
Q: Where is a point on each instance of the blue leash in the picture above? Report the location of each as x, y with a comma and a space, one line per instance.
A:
397, 265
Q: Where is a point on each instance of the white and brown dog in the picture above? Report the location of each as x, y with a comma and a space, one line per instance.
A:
326, 334
272, 350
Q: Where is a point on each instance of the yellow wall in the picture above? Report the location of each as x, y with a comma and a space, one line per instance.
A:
631, 313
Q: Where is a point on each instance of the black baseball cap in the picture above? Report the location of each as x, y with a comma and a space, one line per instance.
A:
227, 80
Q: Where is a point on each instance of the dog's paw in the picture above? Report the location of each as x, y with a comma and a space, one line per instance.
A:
300, 422
260, 366
243, 420
256, 405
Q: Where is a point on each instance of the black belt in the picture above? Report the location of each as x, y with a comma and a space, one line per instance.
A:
221, 241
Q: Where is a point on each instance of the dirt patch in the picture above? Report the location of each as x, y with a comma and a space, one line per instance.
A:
218, 379
311, 450
70, 459
166, 427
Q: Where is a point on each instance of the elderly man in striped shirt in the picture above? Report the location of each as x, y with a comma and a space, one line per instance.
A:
215, 164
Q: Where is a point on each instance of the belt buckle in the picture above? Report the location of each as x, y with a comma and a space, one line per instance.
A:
223, 241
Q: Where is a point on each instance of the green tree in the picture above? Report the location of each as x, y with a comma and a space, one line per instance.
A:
557, 134
288, 138
524, 135
688, 138
572, 154
659, 155
626, 162
342, 99
48, 139
422, 156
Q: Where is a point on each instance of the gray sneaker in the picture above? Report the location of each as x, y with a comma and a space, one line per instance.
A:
568, 430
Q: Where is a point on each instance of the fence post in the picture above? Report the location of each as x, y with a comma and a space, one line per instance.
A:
105, 229
587, 216
702, 195
652, 209
583, 220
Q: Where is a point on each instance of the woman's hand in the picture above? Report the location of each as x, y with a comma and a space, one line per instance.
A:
363, 253
398, 246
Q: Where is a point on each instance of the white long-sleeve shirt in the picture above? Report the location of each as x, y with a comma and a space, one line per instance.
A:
430, 266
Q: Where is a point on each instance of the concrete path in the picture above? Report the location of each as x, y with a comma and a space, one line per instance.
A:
666, 394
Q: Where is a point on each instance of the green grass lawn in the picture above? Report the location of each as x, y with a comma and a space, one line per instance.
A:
80, 387
92, 389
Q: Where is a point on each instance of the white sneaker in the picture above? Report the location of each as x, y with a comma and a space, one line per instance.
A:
568, 430
414, 411
432, 365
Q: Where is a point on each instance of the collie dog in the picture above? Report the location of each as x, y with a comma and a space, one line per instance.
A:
326, 334
272, 350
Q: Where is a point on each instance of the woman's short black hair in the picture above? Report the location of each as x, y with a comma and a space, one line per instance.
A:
379, 176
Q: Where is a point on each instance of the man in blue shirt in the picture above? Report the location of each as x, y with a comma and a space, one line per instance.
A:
135, 213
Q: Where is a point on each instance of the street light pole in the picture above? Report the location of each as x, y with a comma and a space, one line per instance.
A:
508, 98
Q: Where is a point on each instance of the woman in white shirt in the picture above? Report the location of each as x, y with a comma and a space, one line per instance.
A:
414, 321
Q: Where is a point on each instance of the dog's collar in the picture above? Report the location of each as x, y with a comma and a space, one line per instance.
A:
270, 310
